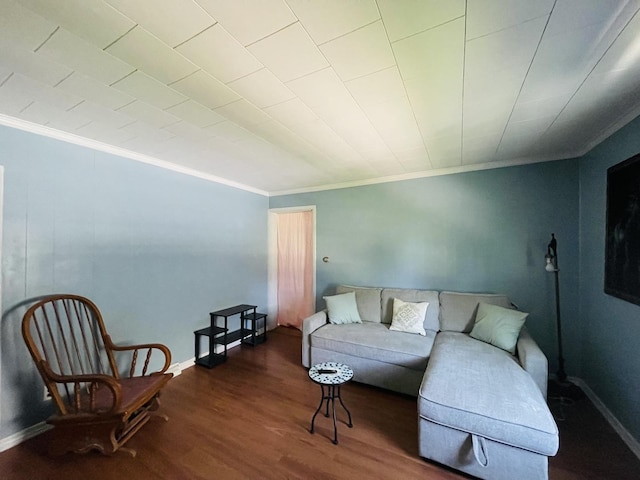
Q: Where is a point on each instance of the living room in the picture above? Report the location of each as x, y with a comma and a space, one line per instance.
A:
159, 248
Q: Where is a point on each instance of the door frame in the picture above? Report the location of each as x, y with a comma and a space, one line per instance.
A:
272, 278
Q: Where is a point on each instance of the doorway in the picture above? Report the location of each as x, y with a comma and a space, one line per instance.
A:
292, 264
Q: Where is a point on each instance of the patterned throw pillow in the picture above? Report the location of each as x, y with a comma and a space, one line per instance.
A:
408, 317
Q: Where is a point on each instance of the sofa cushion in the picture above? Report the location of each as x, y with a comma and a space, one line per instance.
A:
367, 299
431, 321
375, 341
458, 310
477, 388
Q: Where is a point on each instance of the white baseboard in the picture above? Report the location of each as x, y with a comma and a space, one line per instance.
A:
622, 432
21, 436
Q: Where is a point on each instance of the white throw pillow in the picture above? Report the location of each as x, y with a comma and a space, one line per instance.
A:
408, 317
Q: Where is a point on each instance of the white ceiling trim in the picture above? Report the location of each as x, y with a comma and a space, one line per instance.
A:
121, 152
429, 173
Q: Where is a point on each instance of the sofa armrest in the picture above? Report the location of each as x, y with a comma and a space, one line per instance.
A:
533, 360
309, 325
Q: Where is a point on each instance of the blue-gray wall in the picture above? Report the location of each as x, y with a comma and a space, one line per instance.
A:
484, 231
610, 327
156, 250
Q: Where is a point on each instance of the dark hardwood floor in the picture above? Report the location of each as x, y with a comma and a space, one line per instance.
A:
249, 418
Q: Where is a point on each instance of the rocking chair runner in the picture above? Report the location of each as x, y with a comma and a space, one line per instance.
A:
98, 408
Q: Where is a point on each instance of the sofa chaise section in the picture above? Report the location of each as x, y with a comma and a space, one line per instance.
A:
481, 413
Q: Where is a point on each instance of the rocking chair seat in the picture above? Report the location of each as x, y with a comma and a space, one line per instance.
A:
135, 394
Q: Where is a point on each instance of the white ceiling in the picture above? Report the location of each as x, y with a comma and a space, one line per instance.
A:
288, 95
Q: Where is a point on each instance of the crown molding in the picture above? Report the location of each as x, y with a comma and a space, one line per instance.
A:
426, 173
120, 152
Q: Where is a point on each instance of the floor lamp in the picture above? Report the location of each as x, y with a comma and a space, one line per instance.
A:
551, 259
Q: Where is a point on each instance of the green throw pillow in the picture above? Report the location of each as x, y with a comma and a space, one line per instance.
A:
342, 308
498, 326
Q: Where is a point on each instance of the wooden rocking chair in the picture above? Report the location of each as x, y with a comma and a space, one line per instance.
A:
98, 408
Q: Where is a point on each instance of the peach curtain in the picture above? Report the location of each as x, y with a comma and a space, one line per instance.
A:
295, 268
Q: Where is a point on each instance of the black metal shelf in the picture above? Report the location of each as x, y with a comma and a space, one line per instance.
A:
253, 337
220, 335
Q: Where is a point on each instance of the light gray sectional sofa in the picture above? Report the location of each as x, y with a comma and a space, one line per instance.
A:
481, 409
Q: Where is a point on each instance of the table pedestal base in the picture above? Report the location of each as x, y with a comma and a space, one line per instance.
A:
329, 396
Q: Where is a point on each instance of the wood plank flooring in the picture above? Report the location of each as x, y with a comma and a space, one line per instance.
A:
249, 419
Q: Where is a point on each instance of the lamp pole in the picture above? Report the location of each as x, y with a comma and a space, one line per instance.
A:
552, 259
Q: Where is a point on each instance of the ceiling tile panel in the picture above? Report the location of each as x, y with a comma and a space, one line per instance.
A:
535, 126
146, 113
39, 92
187, 131
507, 48
171, 21
206, 90
102, 133
218, 53
445, 151
330, 19
143, 87
262, 88
570, 16
92, 20
243, 113
434, 54
146, 131
68, 122
250, 20
377, 87
227, 130
480, 149
292, 112
403, 18
105, 116
484, 18
20, 60
364, 51
570, 50
43, 114
625, 51
147, 53
549, 106
414, 160
431, 63
322, 89
396, 124
195, 114
516, 148
12, 99
90, 89
289, 53
67, 49
23, 28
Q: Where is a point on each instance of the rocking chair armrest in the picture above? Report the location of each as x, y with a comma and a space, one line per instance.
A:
144, 346
95, 381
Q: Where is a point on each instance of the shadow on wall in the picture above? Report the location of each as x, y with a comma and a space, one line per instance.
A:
22, 401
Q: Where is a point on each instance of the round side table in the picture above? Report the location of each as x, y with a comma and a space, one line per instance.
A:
330, 376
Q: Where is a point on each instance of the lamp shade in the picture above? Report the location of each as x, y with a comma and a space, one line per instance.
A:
549, 267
